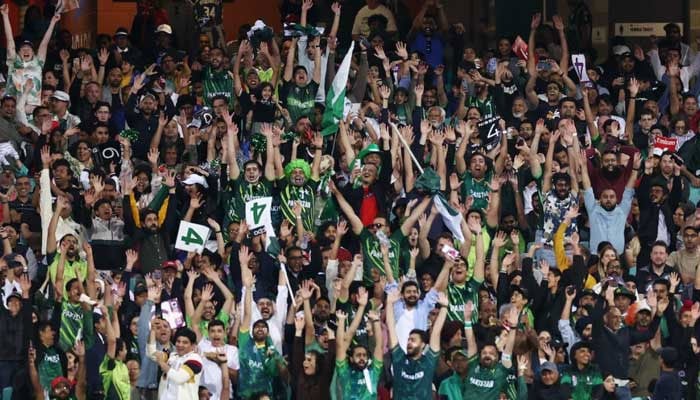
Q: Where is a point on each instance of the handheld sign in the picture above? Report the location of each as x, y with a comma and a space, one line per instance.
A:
520, 48
489, 132
579, 63
192, 237
258, 215
665, 144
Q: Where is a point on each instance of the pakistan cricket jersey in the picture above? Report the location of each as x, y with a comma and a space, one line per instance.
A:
258, 369
238, 192
485, 383
413, 379
372, 254
351, 384
306, 195
459, 295
74, 319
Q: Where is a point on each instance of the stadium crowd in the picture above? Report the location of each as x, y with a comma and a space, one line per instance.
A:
359, 206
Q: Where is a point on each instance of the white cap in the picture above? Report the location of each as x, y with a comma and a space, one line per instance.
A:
164, 28
195, 178
621, 49
61, 96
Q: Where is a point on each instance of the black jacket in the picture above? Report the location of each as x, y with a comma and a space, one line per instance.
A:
15, 332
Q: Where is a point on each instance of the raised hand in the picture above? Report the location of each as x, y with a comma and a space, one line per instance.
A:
558, 23
544, 267
299, 322
244, 256
306, 5
572, 213
536, 20
499, 240
633, 87
442, 299
362, 296
207, 292
335, 7
468, 310
401, 50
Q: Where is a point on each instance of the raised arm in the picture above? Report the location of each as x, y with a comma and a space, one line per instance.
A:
632, 109
439, 322
244, 256
341, 347
378, 339
9, 36
44, 45
392, 297
468, 329
355, 221
547, 177
480, 251
192, 275
415, 214
559, 26
289, 65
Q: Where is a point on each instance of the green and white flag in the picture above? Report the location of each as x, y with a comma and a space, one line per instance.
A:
335, 99
450, 217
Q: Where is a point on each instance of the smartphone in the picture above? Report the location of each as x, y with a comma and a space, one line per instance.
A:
450, 251
465, 85
157, 274
544, 65
570, 290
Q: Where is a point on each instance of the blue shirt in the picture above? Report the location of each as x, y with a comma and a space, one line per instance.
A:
608, 225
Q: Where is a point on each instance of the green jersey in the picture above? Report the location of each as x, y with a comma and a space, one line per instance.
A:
258, 369
300, 99
115, 379
413, 379
350, 384
74, 269
306, 195
240, 191
361, 335
459, 295
582, 383
485, 383
49, 367
372, 254
479, 189
204, 325
453, 388
74, 319
217, 83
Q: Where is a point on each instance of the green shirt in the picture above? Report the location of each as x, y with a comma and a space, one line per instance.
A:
217, 83
204, 325
258, 369
413, 379
75, 269
372, 254
485, 383
240, 191
306, 195
49, 367
582, 383
350, 384
453, 388
300, 99
459, 295
73, 319
115, 379
479, 189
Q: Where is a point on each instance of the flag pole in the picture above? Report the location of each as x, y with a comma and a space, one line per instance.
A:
407, 147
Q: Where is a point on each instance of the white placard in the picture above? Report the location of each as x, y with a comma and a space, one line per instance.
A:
192, 237
643, 29
258, 214
579, 63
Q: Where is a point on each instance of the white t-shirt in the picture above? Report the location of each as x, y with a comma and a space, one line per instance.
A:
211, 372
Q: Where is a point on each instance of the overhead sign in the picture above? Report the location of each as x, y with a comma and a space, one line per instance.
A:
643, 29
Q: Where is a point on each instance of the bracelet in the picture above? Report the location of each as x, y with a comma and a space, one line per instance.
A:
468, 325
506, 357
217, 232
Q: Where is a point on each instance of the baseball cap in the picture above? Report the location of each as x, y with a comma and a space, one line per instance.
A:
194, 179
164, 28
60, 380
169, 264
621, 49
60, 95
13, 295
26, 43
121, 31
549, 366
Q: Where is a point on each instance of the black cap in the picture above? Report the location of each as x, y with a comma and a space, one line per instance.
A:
121, 31
26, 43
13, 295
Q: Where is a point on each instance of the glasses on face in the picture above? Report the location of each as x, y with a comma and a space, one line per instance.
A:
690, 235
